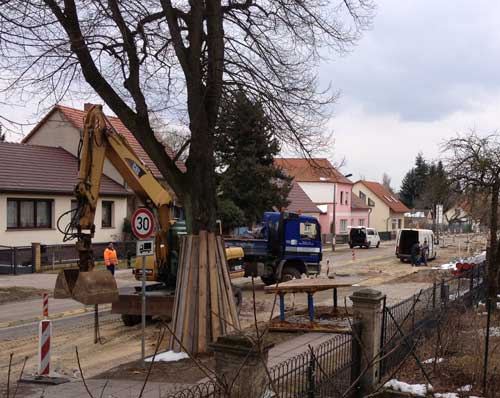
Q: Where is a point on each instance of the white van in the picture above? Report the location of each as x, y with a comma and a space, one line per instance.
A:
408, 237
363, 237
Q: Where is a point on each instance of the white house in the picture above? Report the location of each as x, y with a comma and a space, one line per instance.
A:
36, 189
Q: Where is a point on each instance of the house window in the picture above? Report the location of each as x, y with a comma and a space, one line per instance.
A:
361, 222
371, 203
343, 225
308, 231
362, 196
394, 224
29, 213
107, 214
400, 223
341, 197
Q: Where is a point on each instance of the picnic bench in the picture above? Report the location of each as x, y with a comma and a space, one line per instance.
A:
310, 287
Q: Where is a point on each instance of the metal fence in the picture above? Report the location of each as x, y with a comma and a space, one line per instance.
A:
408, 320
15, 260
327, 370
55, 255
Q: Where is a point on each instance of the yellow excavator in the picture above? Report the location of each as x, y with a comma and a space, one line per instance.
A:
89, 286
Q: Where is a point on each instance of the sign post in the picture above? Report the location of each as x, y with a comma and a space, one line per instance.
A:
143, 227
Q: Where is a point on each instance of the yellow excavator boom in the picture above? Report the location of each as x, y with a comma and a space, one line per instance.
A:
99, 142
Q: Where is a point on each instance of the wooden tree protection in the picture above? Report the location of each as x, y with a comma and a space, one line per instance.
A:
204, 306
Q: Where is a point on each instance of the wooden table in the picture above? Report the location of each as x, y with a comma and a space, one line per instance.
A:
310, 286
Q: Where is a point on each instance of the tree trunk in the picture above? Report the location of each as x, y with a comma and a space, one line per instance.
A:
493, 252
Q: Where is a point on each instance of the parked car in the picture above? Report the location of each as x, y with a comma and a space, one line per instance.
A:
363, 237
406, 238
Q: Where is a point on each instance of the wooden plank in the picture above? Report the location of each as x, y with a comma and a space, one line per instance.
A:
311, 285
174, 345
227, 282
193, 293
182, 293
202, 293
188, 299
214, 291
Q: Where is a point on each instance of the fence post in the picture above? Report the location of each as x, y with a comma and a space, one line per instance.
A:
434, 295
14, 259
367, 308
238, 359
311, 375
382, 333
356, 356
36, 257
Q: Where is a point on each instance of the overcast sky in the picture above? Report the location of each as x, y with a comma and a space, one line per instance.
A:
426, 70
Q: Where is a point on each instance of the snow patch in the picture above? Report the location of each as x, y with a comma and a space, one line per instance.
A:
494, 332
446, 395
415, 389
465, 388
168, 356
431, 360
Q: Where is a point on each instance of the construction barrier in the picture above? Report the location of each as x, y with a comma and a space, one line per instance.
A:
44, 333
45, 312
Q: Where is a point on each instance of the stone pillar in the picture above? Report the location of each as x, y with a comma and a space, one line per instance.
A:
367, 308
238, 360
36, 257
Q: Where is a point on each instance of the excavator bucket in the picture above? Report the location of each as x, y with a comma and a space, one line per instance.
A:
92, 287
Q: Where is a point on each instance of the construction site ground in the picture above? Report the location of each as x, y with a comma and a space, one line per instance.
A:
115, 357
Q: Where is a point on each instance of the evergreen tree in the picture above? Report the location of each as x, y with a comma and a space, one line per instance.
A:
421, 173
408, 193
248, 178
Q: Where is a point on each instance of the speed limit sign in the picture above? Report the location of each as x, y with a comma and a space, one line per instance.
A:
143, 223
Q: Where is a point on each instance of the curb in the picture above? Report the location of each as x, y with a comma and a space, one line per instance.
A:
59, 315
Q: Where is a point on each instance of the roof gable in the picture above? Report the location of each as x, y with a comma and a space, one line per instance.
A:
390, 199
300, 201
44, 169
311, 170
76, 118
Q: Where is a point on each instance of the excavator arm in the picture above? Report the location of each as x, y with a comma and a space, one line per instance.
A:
99, 142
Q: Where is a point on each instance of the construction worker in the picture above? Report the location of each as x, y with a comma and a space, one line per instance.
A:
110, 258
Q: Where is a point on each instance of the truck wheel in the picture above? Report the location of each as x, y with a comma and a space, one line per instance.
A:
131, 320
351, 245
238, 297
378, 244
290, 273
268, 280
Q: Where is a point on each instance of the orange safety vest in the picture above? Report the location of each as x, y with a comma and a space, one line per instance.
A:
110, 257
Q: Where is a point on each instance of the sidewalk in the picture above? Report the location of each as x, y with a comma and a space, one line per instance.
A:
131, 389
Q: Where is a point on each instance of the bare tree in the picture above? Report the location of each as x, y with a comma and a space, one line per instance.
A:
386, 182
474, 166
144, 56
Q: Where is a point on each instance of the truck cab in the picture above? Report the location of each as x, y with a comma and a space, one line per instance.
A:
284, 246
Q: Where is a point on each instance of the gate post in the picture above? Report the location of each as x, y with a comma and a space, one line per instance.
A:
367, 308
36, 257
239, 364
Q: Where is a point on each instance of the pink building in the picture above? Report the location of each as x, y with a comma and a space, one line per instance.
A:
330, 191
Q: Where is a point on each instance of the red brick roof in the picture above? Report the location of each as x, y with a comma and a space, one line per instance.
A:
45, 170
311, 170
357, 203
387, 197
299, 200
76, 117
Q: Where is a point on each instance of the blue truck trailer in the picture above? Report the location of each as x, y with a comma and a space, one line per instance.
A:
284, 246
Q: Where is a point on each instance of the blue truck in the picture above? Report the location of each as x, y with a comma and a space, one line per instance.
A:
284, 246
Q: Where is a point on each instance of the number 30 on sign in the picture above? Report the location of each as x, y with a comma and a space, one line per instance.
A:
143, 223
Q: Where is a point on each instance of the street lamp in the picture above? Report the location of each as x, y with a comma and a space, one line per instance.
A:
334, 225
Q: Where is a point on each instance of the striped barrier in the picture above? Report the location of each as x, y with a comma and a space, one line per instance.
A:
45, 312
44, 333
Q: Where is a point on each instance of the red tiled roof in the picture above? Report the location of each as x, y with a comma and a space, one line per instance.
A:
311, 170
44, 169
299, 200
76, 117
387, 197
357, 203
